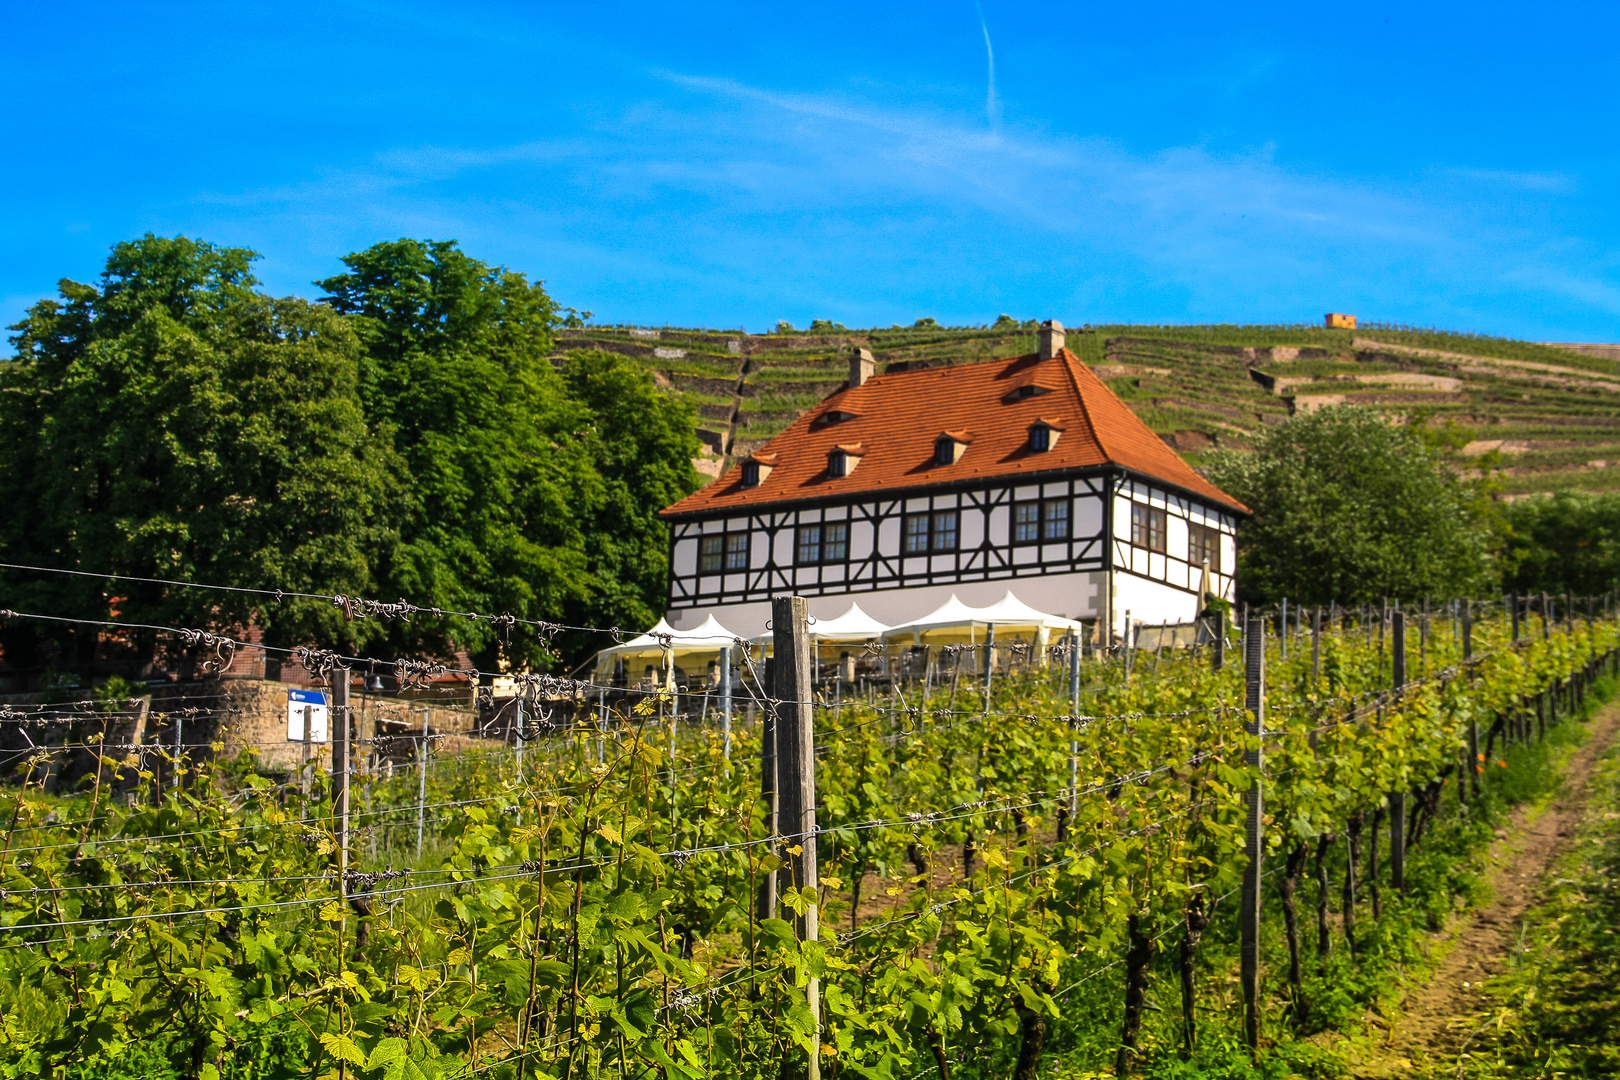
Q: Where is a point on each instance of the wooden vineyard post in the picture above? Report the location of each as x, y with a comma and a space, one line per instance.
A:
796, 765
339, 724
1282, 638
725, 703
1316, 647
766, 907
1513, 614
1473, 721
1074, 741
1254, 670
989, 662
309, 731
1397, 799
421, 782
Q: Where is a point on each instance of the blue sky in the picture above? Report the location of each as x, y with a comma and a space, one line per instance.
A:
730, 165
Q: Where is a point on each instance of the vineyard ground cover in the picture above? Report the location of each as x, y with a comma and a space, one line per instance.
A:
1524, 986
636, 884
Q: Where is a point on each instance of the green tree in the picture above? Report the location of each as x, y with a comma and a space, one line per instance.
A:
1351, 507
1568, 542
171, 421
643, 443
502, 483
534, 492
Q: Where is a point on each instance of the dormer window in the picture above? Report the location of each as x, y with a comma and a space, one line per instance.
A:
757, 468
841, 461
836, 416
1029, 390
950, 446
1043, 435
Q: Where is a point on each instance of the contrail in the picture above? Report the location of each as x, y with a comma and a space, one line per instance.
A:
992, 108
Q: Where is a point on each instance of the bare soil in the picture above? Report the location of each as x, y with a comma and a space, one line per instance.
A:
1434, 1020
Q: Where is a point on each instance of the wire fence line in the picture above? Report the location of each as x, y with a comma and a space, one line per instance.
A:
561, 785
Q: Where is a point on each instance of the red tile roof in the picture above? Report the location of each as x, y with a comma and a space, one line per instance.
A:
899, 415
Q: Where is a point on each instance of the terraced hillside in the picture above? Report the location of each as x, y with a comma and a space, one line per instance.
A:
1550, 412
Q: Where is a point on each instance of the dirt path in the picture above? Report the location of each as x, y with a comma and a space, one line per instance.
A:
1432, 1020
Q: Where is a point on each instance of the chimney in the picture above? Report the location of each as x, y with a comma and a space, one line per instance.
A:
861, 367
1051, 338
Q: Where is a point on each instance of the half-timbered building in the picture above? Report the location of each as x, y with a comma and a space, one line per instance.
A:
1024, 474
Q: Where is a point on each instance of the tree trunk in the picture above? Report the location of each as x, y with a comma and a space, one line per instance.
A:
1136, 969
1197, 919
1032, 1028
1352, 855
919, 862
1323, 942
1294, 866
1372, 865
936, 1043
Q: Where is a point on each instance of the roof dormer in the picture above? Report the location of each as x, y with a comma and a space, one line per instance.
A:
950, 446
842, 459
756, 468
1028, 390
837, 416
1043, 435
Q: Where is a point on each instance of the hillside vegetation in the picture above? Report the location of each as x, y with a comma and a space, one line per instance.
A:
1548, 411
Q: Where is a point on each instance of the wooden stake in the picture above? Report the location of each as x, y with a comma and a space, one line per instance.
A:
1254, 664
1397, 799
796, 766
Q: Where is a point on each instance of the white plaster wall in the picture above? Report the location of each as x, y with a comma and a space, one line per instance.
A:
686, 555
1073, 596
1150, 602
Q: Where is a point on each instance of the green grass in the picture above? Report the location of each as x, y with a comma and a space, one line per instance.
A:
1484, 345
1556, 1011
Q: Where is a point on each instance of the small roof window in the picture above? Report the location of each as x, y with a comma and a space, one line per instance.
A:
756, 468
1043, 435
950, 446
842, 459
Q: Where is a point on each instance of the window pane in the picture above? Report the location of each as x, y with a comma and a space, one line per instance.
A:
1026, 522
1139, 528
1039, 438
1055, 523
736, 551
916, 534
945, 530
1156, 528
834, 542
711, 550
809, 543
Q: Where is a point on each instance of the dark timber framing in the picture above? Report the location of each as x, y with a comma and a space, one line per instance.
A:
985, 548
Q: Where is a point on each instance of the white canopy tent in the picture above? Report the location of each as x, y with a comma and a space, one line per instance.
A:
701, 643
852, 625
954, 623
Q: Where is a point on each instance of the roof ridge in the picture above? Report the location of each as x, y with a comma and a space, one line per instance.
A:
1069, 360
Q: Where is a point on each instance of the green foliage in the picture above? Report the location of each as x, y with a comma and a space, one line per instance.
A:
642, 442
502, 486
591, 911
1352, 508
171, 422
408, 438
1562, 543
